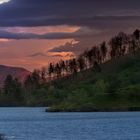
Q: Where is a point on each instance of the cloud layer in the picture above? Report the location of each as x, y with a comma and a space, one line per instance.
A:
80, 33
72, 12
31, 28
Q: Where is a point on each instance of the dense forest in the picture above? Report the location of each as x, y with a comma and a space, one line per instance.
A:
106, 75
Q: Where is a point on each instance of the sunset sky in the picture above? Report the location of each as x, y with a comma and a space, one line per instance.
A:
36, 32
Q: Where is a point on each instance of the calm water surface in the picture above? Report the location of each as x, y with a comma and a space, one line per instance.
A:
35, 124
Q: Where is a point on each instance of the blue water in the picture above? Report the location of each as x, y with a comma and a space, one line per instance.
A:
35, 124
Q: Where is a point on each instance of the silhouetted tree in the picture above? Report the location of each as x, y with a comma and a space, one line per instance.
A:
97, 67
51, 70
104, 51
43, 74
57, 70
33, 81
36, 77
63, 67
81, 63
136, 34
133, 46
13, 89
8, 85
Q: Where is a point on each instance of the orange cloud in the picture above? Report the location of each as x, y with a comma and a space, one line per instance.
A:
43, 29
4, 40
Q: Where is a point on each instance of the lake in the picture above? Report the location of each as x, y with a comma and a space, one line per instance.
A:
36, 124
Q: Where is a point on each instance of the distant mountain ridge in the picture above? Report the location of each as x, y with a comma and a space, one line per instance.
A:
16, 72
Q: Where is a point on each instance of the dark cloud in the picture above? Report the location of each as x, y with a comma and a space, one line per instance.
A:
57, 55
38, 54
81, 33
73, 12
76, 48
10, 35
68, 47
51, 54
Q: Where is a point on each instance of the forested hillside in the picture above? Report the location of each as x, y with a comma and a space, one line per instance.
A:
107, 76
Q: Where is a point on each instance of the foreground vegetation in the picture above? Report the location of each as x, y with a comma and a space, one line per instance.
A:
106, 77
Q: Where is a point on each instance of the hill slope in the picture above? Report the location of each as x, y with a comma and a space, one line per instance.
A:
16, 72
116, 87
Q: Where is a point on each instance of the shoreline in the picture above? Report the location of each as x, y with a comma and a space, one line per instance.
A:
125, 109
